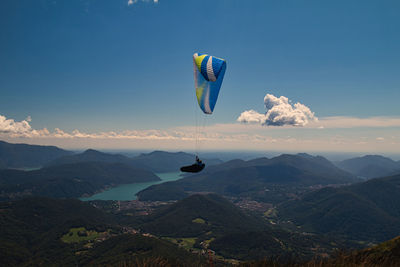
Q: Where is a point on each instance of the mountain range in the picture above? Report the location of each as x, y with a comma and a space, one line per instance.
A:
156, 161
268, 180
314, 208
24, 156
370, 166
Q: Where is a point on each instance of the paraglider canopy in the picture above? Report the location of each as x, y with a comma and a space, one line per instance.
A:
209, 72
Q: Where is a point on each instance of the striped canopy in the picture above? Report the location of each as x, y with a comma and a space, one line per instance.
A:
209, 72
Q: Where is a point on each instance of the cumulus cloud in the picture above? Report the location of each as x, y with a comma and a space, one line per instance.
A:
11, 126
279, 112
251, 116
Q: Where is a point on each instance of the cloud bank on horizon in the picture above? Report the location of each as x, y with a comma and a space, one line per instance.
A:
356, 134
279, 112
16, 129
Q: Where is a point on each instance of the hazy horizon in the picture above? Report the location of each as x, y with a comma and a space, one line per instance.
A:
236, 154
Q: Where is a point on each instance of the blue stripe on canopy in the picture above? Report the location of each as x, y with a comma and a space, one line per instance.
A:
217, 66
215, 87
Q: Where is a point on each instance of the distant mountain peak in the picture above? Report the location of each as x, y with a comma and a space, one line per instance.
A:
157, 152
370, 166
380, 157
371, 157
305, 155
160, 152
92, 151
291, 156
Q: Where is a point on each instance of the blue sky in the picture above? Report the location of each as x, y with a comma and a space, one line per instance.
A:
112, 66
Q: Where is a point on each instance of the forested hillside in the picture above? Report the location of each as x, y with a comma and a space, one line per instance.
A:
28, 156
69, 180
367, 211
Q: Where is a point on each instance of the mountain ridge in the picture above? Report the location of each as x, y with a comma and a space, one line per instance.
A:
370, 166
28, 156
156, 161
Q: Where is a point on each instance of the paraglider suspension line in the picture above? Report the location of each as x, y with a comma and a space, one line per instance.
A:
196, 131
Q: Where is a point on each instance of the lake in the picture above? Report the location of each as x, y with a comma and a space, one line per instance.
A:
128, 191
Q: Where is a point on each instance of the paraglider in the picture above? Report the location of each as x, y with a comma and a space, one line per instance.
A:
209, 73
196, 167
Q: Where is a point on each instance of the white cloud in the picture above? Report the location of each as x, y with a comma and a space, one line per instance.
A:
251, 116
9, 126
279, 112
131, 2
